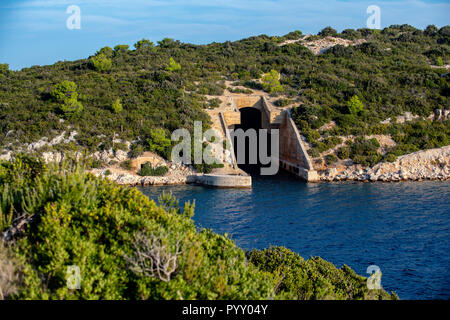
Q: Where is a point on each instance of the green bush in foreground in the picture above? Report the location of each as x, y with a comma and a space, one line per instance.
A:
312, 279
75, 219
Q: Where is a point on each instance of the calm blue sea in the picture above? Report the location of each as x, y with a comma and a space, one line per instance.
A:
404, 228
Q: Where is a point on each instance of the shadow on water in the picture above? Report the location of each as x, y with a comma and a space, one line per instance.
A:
404, 228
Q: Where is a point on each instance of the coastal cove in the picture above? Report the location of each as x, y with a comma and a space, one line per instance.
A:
401, 227
276, 167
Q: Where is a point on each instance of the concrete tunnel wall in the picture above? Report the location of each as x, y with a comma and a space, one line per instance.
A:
293, 155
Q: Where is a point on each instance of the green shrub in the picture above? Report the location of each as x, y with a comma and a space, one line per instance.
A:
420, 135
117, 106
96, 163
330, 159
314, 116
207, 168
239, 90
282, 102
328, 31
158, 142
144, 44
173, 65
65, 93
390, 157
314, 153
355, 105
210, 88
368, 160
347, 122
127, 165
148, 170
311, 135
103, 228
120, 146
136, 150
365, 152
214, 103
95, 225
121, 49
107, 51
4, 68
343, 153
314, 279
271, 82
328, 143
101, 62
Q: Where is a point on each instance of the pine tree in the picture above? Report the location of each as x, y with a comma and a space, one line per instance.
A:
271, 82
173, 65
355, 105
117, 106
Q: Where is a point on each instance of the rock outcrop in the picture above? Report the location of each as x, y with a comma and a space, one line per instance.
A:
433, 164
321, 45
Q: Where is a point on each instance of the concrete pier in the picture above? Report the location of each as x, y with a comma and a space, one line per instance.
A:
223, 181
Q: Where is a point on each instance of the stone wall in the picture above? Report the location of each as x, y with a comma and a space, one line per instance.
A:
246, 101
232, 118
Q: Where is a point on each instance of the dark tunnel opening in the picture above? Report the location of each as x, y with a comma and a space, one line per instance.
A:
251, 118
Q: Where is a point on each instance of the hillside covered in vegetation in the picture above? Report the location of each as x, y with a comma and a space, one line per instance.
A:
125, 246
358, 87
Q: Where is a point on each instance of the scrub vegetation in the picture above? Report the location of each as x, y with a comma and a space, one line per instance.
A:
126, 246
147, 92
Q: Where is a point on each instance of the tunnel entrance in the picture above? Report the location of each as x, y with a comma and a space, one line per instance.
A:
251, 118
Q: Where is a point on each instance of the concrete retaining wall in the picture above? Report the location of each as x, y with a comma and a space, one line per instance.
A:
227, 135
224, 181
232, 117
266, 117
293, 155
246, 101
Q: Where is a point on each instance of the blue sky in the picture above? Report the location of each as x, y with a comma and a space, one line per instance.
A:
34, 32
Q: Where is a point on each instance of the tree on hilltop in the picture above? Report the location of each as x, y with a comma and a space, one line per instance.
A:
144, 44
101, 63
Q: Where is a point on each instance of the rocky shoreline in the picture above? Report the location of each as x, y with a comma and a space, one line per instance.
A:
178, 175
433, 164
136, 180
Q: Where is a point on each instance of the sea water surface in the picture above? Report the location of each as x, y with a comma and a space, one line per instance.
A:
404, 228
